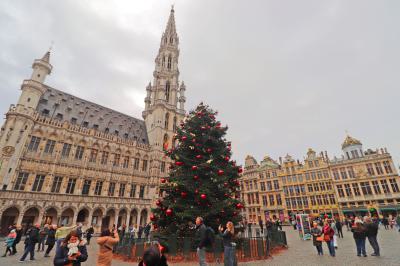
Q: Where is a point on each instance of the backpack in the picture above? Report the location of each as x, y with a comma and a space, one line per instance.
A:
210, 236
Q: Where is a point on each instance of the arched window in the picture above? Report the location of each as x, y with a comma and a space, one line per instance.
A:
165, 142
166, 120
171, 40
174, 125
169, 62
167, 91
163, 61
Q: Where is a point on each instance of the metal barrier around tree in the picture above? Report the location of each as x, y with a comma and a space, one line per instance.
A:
184, 249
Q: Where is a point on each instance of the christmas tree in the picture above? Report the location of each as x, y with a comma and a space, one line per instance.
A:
203, 180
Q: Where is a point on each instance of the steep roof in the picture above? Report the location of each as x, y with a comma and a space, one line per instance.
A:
66, 107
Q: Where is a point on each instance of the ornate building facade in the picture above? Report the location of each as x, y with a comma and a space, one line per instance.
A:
65, 160
358, 183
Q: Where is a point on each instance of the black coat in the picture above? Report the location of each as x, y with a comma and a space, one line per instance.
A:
19, 235
359, 232
51, 237
32, 236
371, 229
163, 262
61, 257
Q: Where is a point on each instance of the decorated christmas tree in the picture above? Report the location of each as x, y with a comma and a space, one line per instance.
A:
203, 180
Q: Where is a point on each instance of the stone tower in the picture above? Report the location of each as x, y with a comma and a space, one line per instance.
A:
162, 112
20, 119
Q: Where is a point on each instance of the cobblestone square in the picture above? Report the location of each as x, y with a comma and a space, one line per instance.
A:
299, 253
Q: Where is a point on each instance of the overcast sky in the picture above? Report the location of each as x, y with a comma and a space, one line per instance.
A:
284, 75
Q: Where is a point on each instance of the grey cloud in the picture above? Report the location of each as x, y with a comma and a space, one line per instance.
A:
284, 75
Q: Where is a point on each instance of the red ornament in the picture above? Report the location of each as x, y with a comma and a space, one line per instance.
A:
158, 203
196, 191
203, 196
212, 116
229, 148
227, 158
199, 114
178, 163
199, 156
152, 217
226, 195
162, 249
239, 206
225, 184
203, 128
240, 170
168, 212
234, 213
163, 180
194, 140
221, 172
218, 125
208, 127
183, 194
194, 167
184, 138
209, 150
196, 177
155, 226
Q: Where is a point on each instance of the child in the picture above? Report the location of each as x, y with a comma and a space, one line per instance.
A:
10, 241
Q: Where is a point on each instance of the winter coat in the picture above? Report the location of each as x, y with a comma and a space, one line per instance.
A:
200, 236
371, 229
51, 237
106, 247
316, 232
227, 238
32, 236
359, 232
328, 232
10, 239
61, 257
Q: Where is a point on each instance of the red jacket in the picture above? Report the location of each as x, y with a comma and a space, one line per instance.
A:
328, 231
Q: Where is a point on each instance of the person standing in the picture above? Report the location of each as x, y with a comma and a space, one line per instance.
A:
359, 235
18, 231
328, 237
72, 251
339, 228
89, 234
146, 231
42, 237
261, 224
227, 236
140, 231
316, 233
333, 226
385, 222
107, 240
10, 242
32, 237
372, 232
51, 239
201, 239
79, 230
398, 222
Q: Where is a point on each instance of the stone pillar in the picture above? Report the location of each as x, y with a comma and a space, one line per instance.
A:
75, 217
116, 218
19, 220
138, 219
90, 217
128, 219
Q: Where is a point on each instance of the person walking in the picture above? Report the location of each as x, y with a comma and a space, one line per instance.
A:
32, 237
372, 232
227, 236
146, 231
333, 226
42, 237
18, 231
316, 234
107, 240
10, 242
72, 251
385, 222
51, 239
89, 234
328, 237
201, 239
339, 228
359, 235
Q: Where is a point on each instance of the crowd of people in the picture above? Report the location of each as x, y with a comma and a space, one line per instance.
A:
362, 228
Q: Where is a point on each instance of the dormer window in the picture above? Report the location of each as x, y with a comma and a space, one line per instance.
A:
85, 124
45, 112
107, 130
59, 116
73, 120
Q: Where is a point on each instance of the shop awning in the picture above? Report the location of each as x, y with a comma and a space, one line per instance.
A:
389, 209
355, 210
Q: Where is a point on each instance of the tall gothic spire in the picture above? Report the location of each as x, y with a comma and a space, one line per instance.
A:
171, 28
